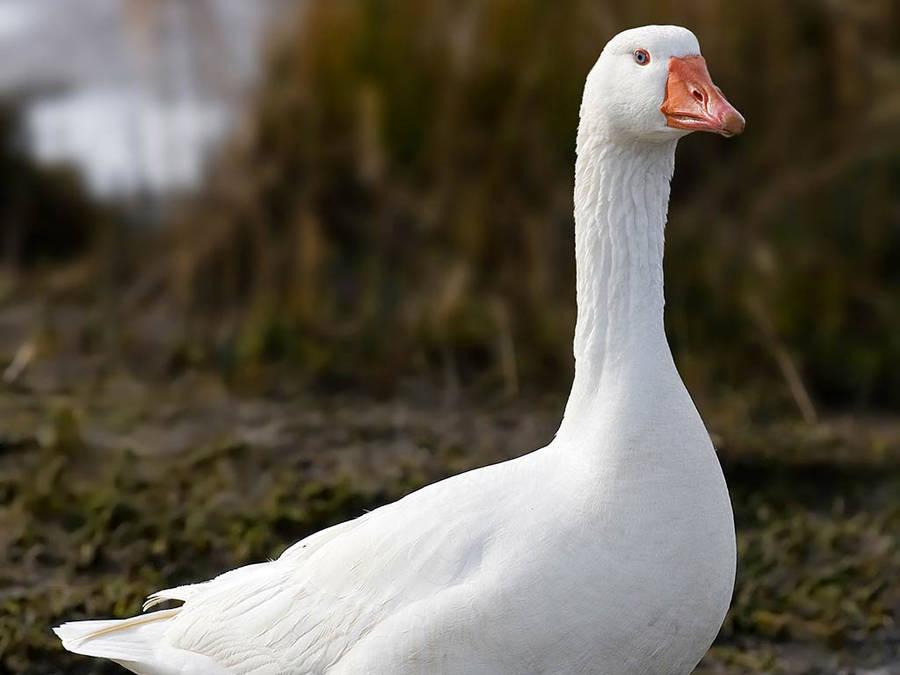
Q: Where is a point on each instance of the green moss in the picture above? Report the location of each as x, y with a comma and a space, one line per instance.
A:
89, 532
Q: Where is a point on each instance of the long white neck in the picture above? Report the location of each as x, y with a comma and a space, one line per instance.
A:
621, 200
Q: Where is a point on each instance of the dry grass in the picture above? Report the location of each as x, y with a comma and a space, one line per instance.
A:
400, 200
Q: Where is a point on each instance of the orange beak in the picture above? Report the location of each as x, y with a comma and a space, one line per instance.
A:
694, 103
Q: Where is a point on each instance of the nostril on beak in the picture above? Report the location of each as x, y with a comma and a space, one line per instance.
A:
698, 95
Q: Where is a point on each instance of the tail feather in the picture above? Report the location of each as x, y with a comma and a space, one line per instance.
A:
183, 593
131, 642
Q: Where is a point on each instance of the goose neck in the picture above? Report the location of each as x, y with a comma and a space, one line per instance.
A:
621, 199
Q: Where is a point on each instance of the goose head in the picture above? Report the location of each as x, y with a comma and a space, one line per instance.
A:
652, 84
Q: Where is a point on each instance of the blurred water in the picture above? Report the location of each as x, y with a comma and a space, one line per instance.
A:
125, 140
134, 92
14, 17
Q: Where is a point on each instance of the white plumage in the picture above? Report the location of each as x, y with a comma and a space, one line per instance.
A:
611, 550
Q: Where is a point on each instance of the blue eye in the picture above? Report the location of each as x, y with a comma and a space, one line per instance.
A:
641, 57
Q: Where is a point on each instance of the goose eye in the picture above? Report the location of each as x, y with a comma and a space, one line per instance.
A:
641, 57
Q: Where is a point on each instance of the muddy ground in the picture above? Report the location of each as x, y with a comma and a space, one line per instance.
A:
111, 488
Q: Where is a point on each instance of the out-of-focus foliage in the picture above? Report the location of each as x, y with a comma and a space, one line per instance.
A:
399, 202
401, 198
46, 213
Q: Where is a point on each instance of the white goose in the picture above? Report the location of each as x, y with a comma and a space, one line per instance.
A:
611, 550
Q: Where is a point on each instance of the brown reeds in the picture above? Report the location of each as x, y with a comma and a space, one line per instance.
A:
399, 199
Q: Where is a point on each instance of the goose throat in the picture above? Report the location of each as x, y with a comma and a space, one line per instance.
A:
621, 200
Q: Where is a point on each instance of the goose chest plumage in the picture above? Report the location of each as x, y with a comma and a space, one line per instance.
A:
611, 550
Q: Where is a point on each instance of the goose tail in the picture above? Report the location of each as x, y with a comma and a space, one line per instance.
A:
133, 643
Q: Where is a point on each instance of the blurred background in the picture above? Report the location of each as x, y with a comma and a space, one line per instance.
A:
265, 265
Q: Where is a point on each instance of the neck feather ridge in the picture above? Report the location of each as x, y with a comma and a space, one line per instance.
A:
621, 200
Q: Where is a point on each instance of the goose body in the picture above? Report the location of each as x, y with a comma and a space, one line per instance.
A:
611, 550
